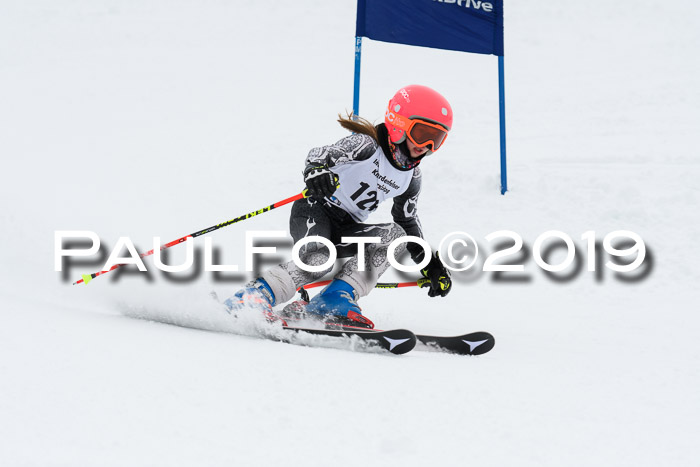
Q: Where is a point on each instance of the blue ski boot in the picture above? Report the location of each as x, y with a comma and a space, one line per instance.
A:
337, 306
256, 295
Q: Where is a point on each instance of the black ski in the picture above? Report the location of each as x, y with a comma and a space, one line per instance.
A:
396, 341
474, 343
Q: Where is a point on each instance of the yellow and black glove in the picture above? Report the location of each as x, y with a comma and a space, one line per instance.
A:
320, 181
438, 276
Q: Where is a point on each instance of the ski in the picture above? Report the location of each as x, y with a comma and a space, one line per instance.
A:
473, 343
396, 341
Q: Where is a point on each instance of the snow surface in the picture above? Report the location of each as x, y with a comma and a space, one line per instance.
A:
160, 118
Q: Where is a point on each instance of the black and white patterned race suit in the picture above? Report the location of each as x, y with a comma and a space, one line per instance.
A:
367, 177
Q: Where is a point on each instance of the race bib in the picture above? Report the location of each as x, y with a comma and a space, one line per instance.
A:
365, 184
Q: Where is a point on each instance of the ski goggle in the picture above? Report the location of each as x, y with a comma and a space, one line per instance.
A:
420, 132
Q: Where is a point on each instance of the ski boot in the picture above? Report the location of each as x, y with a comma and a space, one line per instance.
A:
257, 295
296, 310
337, 306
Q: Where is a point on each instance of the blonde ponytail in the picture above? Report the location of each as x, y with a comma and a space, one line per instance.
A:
358, 124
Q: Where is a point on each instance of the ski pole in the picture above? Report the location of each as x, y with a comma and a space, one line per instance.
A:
380, 285
88, 277
398, 285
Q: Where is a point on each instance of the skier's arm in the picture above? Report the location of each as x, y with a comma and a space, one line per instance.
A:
319, 177
355, 147
405, 213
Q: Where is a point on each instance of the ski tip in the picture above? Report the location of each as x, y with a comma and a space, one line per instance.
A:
398, 341
479, 343
474, 343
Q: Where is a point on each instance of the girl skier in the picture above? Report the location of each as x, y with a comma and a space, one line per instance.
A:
346, 181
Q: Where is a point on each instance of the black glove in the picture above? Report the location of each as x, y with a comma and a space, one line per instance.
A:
320, 181
439, 277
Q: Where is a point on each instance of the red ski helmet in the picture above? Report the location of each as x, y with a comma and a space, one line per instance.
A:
421, 113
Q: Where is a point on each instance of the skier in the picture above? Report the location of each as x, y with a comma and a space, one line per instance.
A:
346, 181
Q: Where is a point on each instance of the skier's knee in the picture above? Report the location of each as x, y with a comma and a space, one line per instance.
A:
316, 258
313, 250
396, 232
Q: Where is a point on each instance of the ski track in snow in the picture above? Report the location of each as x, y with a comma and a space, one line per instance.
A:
247, 322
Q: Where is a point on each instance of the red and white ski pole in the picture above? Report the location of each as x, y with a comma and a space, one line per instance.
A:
380, 285
88, 277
